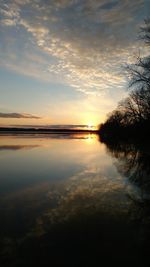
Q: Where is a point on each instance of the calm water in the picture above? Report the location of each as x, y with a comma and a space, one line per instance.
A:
69, 200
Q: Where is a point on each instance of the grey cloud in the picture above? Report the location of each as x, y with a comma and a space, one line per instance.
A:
55, 126
109, 5
18, 116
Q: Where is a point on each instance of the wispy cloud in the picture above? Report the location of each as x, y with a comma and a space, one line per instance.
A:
18, 116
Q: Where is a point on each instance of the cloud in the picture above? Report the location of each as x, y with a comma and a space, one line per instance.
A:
83, 41
8, 22
18, 116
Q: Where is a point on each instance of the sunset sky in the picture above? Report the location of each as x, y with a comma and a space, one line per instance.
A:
61, 61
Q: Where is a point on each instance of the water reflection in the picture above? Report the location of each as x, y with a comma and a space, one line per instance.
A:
80, 209
133, 162
51, 135
17, 147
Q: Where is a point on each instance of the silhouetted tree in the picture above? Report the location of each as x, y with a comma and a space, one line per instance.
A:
145, 32
133, 112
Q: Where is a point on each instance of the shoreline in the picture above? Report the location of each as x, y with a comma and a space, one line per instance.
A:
44, 131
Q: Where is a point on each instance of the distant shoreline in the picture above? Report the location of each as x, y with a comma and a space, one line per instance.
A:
43, 130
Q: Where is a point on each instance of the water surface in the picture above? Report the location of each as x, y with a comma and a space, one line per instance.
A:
69, 200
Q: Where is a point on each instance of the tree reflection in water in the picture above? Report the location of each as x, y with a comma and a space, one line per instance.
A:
133, 162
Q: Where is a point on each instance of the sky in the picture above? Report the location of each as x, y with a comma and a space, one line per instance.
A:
62, 61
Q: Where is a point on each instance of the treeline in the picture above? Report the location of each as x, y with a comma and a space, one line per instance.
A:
132, 116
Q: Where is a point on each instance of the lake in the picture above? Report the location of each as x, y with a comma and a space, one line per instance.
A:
70, 200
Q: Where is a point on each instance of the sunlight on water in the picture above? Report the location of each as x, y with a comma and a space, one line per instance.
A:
59, 187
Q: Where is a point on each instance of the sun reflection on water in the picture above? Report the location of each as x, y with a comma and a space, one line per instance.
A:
90, 138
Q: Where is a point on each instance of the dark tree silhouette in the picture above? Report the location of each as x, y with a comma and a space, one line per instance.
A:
145, 32
132, 116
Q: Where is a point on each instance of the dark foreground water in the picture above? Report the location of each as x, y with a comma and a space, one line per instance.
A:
69, 200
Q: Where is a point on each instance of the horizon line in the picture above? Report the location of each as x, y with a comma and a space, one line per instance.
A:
45, 130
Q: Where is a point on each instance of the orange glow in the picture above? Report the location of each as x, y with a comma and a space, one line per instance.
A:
90, 125
90, 138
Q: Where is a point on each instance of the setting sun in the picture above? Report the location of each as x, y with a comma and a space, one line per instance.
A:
90, 125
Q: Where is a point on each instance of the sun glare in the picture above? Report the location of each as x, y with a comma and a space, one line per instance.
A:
90, 138
90, 125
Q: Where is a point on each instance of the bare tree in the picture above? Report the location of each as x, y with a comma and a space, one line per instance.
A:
145, 32
134, 111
